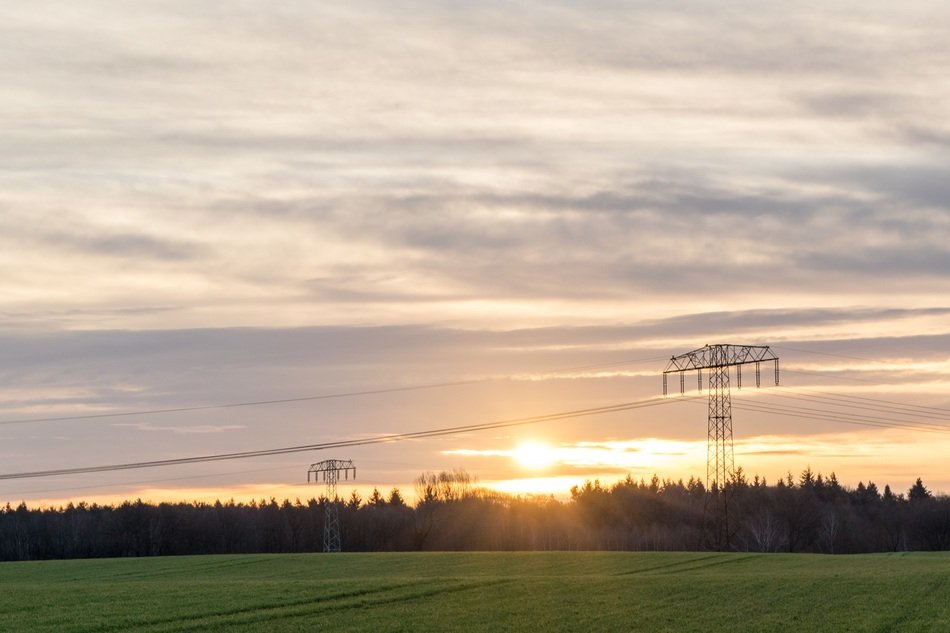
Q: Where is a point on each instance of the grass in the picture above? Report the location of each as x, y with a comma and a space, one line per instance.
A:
471, 592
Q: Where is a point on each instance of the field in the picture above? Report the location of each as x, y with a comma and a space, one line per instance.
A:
490, 592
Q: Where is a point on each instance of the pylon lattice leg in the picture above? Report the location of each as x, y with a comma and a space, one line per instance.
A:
331, 524
720, 460
331, 529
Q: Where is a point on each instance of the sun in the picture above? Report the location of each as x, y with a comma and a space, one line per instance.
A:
534, 455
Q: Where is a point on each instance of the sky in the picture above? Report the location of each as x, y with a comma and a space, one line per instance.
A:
538, 202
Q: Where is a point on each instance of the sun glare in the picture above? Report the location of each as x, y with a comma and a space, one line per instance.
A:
534, 455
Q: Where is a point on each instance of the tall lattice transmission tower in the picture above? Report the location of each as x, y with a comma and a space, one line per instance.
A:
330, 470
720, 461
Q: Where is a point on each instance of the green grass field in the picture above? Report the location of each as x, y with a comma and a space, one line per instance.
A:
534, 592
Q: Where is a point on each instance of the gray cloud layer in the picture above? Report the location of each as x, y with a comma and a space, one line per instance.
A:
385, 194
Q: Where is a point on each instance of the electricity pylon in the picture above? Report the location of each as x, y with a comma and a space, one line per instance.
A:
330, 469
720, 461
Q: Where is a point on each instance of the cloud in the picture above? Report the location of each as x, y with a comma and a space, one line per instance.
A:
931, 136
584, 156
125, 246
854, 103
159, 368
921, 190
208, 203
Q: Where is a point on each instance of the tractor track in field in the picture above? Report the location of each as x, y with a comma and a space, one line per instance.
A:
907, 613
688, 564
299, 608
144, 625
191, 570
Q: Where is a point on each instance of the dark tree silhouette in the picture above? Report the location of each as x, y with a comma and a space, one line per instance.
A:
813, 514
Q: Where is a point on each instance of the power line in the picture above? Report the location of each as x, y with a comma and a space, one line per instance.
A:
326, 396
199, 477
233, 405
813, 413
892, 411
842, 416
897, 405
831, 355
885, 422
164, 480
828, 374
835, 416
381, 439
629, 361
805, 351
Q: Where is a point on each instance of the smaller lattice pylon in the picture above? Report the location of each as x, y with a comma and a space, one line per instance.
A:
330, 470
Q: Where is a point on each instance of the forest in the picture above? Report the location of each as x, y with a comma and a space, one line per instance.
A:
808, 513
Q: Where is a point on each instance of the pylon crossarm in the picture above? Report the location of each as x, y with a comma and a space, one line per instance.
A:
332, 469
717, 358
711, 356
328, 465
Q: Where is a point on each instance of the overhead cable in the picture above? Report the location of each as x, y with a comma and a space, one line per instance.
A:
379, 439
325, 396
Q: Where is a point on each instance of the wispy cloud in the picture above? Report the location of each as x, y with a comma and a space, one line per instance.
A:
589, 156
211, 203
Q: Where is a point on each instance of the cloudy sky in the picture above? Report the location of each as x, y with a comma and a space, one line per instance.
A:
209, 203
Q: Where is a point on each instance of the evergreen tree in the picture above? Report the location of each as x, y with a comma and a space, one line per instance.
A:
918, 492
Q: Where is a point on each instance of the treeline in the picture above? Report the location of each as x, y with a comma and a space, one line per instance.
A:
810, 513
